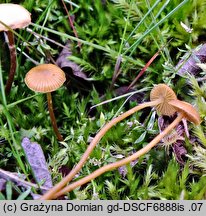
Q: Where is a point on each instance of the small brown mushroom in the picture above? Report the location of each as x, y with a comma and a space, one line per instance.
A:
12, 16
160, 96
165, 93
186, 110
46, 78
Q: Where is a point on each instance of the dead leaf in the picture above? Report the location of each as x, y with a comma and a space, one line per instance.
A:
175, 138
63, 62
135, 97
190, 65
2, 184
18, 179
179, 151
36, 160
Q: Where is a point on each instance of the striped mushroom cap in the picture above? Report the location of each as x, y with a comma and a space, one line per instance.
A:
13, 15
166, 94
188, 111
45, 78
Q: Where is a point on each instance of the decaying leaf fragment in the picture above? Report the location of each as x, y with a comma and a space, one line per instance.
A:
63, 62
175, 139
189, 65
19, 180
36, 160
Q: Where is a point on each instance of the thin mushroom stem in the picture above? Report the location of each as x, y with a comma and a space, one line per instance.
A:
52, 117
122, 162
12, 71
99, 135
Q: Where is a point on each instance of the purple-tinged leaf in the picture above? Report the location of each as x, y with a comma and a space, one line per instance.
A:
123, 169
63, 62
189, 65
18, 179
36, 160
135, 97
2, 184
175, 139
179, 151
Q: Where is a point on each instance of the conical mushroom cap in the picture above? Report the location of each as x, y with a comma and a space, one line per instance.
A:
165, 94
14, 15
45, 78
187, 109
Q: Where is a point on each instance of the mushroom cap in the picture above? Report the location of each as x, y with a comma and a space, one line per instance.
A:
189, 112
45, 78
14, 16
166, 94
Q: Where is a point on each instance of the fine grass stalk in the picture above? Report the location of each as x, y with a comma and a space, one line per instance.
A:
13, 146
137, 42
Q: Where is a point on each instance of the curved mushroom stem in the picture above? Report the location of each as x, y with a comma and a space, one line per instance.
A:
92, 145
52, 117
12, 71
122, 162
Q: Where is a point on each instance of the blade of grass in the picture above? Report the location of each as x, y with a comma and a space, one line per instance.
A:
134, 45
46, 15
146, 66
121, 96
142, 19
72, 3
18, 102
9, 190
13, 146
109, 51
159, 33
117, 69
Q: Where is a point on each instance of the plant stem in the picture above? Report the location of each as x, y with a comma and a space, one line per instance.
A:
14, 148
96, 46
71, 23
12, 71
52, 117
94, 142
122, 162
